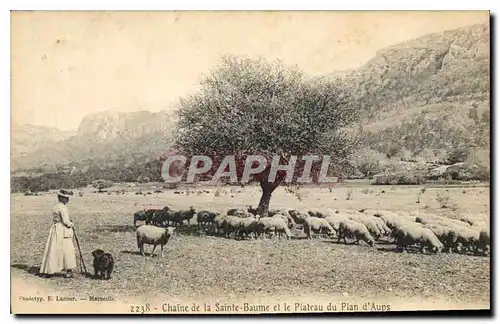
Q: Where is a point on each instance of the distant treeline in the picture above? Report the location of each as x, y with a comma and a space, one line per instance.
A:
150, 171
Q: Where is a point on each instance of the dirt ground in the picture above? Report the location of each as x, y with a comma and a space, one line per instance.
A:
207, 267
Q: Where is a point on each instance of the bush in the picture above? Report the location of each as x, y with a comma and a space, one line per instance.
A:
368, 161
443, 199
410, 177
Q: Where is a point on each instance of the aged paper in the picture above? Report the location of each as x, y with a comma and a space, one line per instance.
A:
103, 101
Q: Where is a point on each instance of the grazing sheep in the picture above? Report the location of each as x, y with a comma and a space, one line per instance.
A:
273, 225
370, 224
383, 228
317, 226
298, 216
484, 240
179, 216
161, 217
230, 225
417, 235
247, 227
315, 212
251, 210
393, 221
354, 230
335, 220
468, 238
446, 235
153, 235
145, 215
204, 218
272, 212
218, 221
287, 218
234, 211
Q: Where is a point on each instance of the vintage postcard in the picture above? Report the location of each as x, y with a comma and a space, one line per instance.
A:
250, 162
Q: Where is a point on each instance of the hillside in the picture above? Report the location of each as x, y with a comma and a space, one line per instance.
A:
26, 139
432, 90
425, 100
105, 139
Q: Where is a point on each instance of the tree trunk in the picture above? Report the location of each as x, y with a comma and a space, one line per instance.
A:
267, 191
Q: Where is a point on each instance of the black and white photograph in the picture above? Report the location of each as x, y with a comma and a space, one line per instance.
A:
249, 162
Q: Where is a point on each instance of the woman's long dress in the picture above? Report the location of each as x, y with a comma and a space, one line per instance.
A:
59, 252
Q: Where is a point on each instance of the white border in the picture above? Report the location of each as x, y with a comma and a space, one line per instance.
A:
181, 5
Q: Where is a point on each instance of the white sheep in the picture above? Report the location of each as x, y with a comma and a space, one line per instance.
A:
335, 220
410, 234
287, 218
299, 216
153, 235
218, 221
317, 226
247, 226
242, 213
270, 225
230, 224
354, 230
316, 212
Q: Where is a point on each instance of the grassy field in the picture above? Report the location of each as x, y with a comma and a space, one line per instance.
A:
207, 267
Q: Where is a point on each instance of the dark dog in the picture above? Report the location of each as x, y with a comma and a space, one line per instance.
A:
103, 264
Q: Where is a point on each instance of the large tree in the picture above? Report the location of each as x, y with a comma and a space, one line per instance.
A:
249, 106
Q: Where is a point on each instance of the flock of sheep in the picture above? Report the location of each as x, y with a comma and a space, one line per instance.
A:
434, 233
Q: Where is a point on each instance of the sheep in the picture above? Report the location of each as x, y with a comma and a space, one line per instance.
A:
353, 229
252, 210
370, 224
139, 216
179, 216
161, 217
314, 212
484, 240
205, 217
468, 238
239, 213
383, 228
270, 225
234, 211
317, 226
144, 215
441, 221
247, 226
335, 220
153, 235
393, 221
287, 218
272, 212
218, 221
417, 235
298, 216
446, 235
230, 224
375, 225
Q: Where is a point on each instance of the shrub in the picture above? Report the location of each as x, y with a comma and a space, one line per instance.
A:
443, 199
349, 194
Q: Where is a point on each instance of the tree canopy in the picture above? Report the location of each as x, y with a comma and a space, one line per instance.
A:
250, 106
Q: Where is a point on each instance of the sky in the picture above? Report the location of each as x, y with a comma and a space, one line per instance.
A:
65, 65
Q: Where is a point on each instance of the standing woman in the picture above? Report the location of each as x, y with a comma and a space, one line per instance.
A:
59, 252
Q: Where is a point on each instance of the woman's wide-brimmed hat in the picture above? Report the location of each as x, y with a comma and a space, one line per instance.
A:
64, 193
